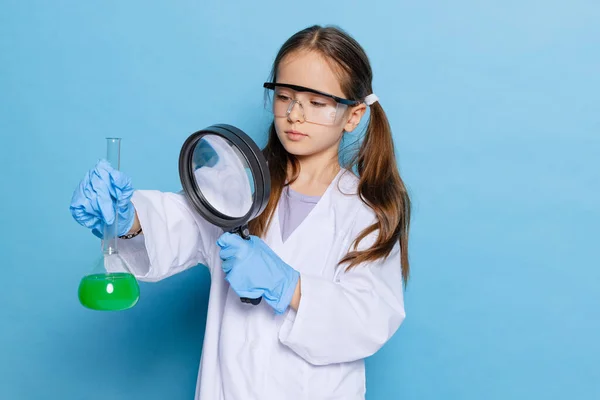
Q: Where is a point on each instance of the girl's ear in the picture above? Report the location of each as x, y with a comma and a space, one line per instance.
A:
356, 114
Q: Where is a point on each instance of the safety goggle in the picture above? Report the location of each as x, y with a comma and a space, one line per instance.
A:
315, 106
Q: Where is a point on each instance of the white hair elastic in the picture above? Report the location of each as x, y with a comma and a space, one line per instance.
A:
370, 99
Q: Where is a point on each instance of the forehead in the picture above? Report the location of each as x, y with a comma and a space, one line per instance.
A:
309, 69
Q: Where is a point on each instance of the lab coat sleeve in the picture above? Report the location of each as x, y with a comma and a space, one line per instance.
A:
174, 237
348, 318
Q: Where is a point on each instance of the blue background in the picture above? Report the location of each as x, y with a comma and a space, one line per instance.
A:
495, 112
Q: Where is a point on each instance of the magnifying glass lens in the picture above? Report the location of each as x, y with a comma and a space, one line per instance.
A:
223, 176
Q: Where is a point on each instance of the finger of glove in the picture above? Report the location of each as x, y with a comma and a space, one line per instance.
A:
242, 247
117, 182
99, 190
83, 217
242, 286
121, 188
228, 253
122, 191
228, 265
228, 239
81, 207
126, 220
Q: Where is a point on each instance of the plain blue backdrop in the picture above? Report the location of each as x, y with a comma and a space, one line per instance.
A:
495, 112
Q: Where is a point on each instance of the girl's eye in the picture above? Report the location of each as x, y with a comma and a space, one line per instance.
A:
317, 104
283, 97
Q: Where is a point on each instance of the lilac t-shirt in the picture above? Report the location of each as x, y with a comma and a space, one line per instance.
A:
293, 208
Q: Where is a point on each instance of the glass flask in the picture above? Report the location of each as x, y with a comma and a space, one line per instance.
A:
110, 286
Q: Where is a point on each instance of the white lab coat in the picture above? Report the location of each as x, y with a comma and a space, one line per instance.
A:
251, 353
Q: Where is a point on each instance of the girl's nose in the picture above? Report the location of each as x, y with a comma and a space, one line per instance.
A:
295, 114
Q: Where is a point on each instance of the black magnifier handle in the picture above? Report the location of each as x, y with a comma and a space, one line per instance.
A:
254, 302
245, 234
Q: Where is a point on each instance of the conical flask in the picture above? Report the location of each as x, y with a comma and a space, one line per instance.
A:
110, 286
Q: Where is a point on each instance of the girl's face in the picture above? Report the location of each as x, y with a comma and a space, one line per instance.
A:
299, 137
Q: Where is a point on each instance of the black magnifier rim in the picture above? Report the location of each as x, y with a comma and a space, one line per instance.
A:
258, 167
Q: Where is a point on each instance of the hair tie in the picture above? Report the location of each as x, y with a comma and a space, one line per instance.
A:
370, 99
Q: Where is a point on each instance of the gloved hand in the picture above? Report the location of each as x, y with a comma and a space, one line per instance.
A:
93, 202
254, 270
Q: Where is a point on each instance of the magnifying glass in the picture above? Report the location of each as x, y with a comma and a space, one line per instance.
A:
226, 178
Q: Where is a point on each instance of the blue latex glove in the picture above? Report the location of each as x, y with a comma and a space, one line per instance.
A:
93, 202
254, 270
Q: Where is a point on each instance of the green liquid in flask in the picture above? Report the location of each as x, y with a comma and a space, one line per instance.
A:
109, 291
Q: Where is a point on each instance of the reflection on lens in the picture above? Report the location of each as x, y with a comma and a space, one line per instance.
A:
223, 176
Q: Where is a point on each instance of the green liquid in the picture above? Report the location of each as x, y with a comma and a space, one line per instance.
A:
109, 292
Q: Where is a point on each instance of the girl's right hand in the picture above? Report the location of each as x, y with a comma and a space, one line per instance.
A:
100, 193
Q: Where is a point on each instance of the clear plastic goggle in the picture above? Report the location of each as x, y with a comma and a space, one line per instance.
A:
314, 106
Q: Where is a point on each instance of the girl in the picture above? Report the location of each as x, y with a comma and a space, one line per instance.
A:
329, 254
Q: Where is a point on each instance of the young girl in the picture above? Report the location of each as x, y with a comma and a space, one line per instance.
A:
329, 254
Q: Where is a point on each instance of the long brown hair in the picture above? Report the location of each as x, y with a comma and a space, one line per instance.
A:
380, 185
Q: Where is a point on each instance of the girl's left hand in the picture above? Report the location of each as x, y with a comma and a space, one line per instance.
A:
253, 270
